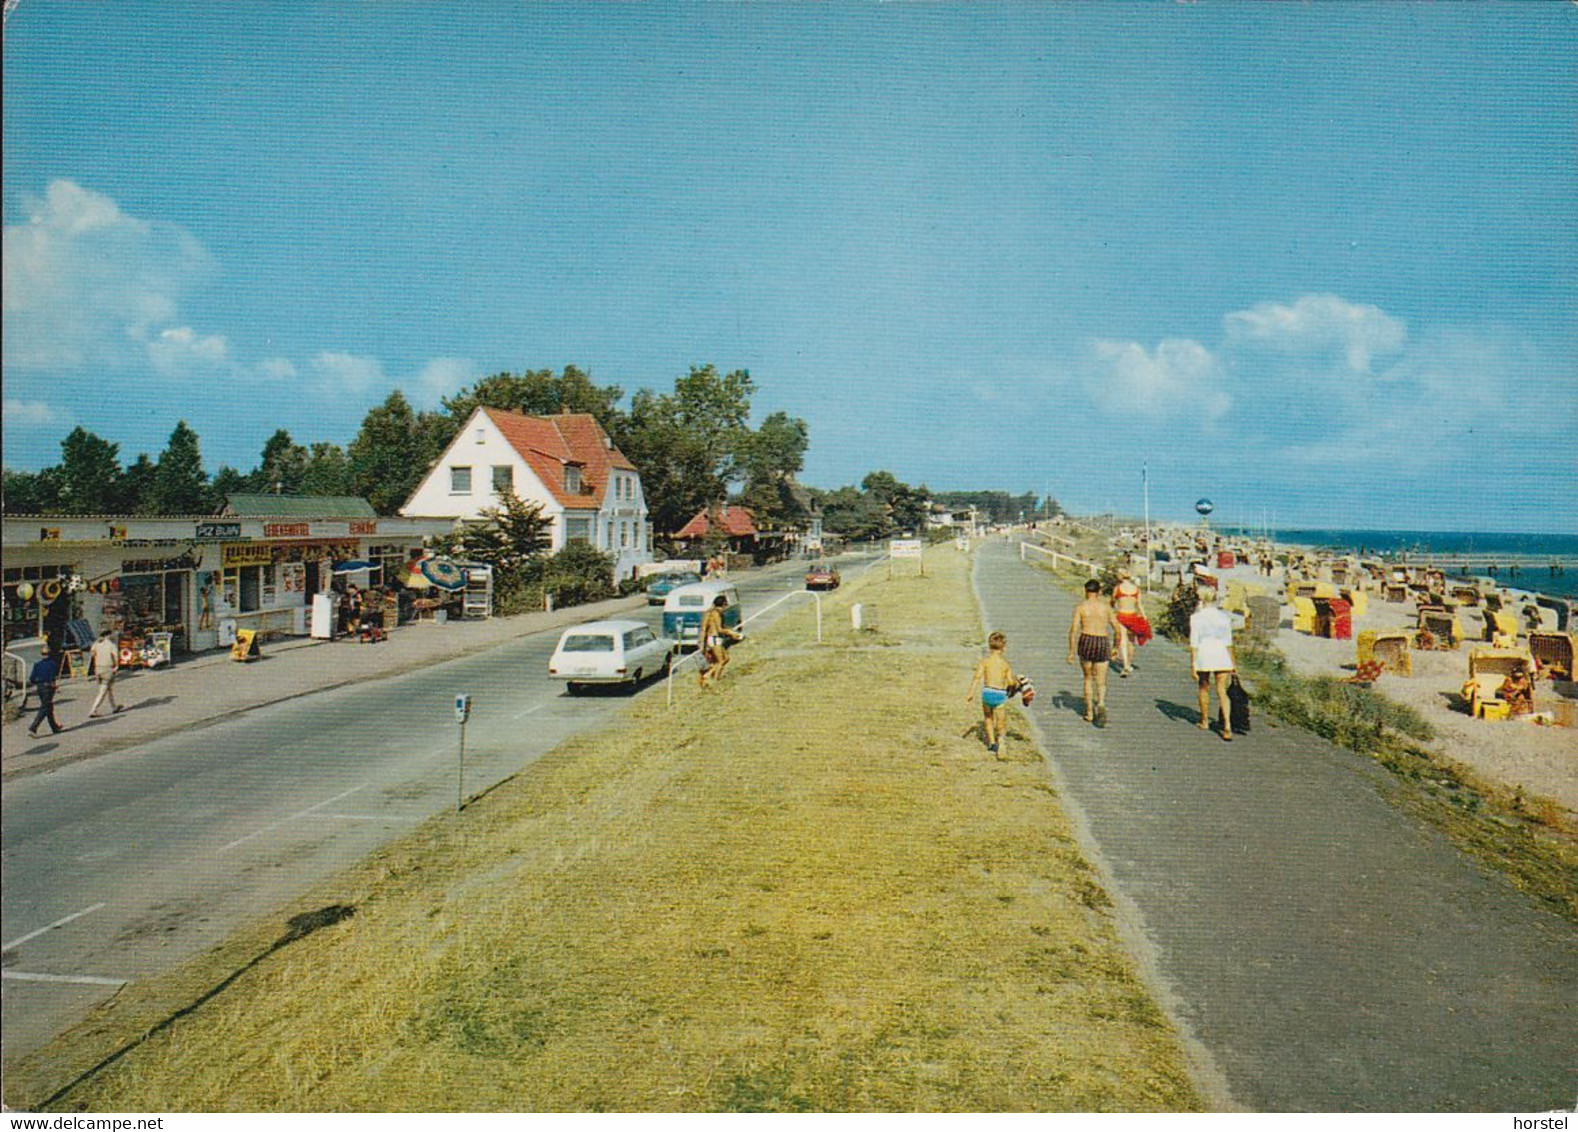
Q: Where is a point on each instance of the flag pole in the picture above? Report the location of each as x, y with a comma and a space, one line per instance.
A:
1145, 484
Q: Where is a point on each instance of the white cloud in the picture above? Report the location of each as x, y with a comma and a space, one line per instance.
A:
1179, 378
351, 374
181, 352
1317, 325
30, 414
87, 284
441, 377
276, 369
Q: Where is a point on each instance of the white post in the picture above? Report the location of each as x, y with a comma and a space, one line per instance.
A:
1145, 482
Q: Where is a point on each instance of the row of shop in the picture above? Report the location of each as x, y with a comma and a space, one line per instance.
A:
187, 584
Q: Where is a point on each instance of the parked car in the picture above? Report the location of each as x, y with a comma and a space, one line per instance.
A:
821, 577
609, 652
661, 584
683, 607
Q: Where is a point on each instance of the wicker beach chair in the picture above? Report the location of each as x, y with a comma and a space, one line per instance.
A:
1392, 649
1554, 653
1442, 625
1395, 591
1264, 618
1501, 628
1466, 595
1304, 614
1487, 668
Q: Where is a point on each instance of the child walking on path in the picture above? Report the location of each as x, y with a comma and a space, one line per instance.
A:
993, 676
1090, 638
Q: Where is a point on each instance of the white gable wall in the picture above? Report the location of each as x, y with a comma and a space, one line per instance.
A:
481, 447
619, 527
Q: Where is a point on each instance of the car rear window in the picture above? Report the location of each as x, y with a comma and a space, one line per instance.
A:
587, 642
690, 601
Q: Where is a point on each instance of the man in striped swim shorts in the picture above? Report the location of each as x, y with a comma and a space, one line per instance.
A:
1090, 638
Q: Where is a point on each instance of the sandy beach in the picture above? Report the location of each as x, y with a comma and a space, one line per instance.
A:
1541, 760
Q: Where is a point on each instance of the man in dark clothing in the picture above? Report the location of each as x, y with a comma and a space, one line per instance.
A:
44, 676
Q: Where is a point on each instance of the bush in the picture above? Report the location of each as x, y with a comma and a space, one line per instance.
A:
1174, 621
577, 574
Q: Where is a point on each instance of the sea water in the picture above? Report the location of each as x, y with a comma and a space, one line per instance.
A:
1478, 551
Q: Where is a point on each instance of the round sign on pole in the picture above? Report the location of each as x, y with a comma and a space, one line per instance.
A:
1204, 506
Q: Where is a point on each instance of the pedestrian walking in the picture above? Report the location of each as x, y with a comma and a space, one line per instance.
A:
713, 637
1090, 639
44, 677
1134, 629
1211, 659
993, 677
106, 663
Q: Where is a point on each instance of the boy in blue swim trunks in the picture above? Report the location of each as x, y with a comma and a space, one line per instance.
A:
993, 676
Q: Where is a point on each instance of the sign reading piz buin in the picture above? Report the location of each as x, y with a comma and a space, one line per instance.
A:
215, 532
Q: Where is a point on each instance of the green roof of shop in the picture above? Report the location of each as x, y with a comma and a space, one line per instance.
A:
299, 507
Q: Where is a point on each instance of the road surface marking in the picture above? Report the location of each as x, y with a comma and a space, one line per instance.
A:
293, 817
64, 920
86, 980
375, 817
528, 711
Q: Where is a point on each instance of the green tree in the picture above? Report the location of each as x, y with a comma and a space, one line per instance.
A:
538, 392
90, 474
227, 482
32, 493
509, 537
281, 466
905, 505
687, 444
769, 459
326, 471
394, 450
137, 486
855, 514
180, 486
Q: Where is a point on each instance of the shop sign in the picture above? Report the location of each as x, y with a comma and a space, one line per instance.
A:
217, 532
153, 541
364, 526
314, 551
158, 565
49, 534
287, 530
245, 554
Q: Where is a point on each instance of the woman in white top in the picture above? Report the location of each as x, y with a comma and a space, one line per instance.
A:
1211, 655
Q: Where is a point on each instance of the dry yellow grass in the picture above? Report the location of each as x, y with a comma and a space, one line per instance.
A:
810, 890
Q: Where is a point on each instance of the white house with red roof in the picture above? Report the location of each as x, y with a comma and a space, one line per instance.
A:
566, 462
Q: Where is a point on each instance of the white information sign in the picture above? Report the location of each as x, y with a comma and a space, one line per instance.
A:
905, 548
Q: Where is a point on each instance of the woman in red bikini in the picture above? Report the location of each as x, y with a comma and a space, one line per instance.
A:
1130, 614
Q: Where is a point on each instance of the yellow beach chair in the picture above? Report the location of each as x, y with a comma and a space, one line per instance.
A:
1303, 615
1554, 653
1392, 649
1359, 600
1487, 668
1442, 624
1501, 628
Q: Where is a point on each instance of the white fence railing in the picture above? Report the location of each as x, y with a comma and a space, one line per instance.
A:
682, 661
1058, 558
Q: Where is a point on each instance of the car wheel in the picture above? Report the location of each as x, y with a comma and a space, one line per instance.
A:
636, 679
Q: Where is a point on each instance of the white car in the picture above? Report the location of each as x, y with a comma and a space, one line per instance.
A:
609, 652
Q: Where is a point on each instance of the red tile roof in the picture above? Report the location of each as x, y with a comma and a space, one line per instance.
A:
548, 444
734, 520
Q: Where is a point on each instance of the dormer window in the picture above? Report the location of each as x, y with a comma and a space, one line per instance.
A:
572, 478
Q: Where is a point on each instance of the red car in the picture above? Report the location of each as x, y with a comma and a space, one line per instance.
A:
821, 577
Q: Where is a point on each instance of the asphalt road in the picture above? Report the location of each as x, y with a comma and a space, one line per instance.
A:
121, 866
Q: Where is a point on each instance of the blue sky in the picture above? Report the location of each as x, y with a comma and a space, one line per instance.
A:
1317, 260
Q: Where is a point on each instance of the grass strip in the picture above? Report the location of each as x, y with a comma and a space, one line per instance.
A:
809, 890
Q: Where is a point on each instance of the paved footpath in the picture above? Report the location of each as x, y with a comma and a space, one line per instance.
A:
1325, 950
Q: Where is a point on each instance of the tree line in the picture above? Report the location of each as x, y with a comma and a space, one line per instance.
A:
692, 445
884, 506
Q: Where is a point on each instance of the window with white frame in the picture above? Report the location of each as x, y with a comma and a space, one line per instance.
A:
578, 528
503, 478
624, 534
572, 478
459, 480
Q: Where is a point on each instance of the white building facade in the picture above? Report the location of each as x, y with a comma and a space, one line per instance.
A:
588, 490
